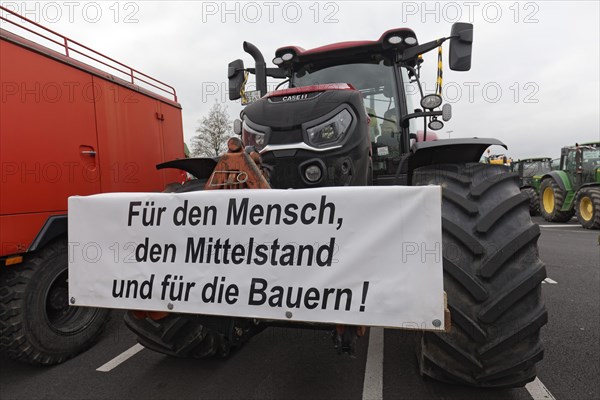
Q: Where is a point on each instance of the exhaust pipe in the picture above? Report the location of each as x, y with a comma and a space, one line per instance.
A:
260, 67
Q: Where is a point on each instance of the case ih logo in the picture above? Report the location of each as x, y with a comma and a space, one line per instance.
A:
294, 97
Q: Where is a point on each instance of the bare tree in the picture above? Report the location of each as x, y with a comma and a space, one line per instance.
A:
213, 132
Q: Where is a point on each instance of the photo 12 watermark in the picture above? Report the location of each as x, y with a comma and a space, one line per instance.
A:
487, 91
65, 92
470, 11
67, 172
452, 92
92, 12
254, 12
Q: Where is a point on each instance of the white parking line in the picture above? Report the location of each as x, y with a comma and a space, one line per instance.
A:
373, 384
551, 281
559, 226
538, 391
121, 358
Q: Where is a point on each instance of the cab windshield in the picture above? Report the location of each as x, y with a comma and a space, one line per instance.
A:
591, 155
590, 160
534, 168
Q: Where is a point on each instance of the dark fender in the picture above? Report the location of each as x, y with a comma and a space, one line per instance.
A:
590, 184
55, 227
559, 177
201, 168
448, 151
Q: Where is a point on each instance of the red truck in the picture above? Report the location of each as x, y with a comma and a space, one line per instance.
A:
67, 127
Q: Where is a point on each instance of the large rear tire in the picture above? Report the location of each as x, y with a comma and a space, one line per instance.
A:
37, 325
587, 207
552, 199
492, 277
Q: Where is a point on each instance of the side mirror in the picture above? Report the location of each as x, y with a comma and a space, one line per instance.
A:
235, 74
461, 46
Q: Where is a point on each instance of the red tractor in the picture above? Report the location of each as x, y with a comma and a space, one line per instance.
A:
350, 116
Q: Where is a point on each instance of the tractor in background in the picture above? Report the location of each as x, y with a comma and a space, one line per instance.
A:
530, 170
350, 116
499, 159
573, 189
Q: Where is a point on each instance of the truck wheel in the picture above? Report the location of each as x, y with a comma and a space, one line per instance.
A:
587, 207
492, 278
534, 201
552, 199
36, 322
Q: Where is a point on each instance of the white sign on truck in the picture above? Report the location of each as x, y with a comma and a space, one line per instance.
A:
363, 256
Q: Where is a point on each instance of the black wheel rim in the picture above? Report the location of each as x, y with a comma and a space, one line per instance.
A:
61, 317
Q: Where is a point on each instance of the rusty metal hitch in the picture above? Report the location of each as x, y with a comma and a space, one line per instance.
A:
237, 169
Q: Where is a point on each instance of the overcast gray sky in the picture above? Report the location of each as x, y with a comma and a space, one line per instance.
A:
534, 82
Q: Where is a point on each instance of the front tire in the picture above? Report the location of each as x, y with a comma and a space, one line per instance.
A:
37, 325
192, 336
188, 335
492, 277
587, 206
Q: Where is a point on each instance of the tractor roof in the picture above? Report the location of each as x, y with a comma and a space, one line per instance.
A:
579, 145
358, 50
532, 159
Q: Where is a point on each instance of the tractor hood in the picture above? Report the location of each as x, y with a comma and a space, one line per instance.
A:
291, 108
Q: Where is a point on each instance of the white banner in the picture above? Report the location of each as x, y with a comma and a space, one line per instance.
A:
361, 255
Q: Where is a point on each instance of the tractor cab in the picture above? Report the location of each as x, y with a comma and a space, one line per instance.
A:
582, 162
351, 112
530, 167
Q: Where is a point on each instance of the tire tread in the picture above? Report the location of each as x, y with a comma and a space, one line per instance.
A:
494, 340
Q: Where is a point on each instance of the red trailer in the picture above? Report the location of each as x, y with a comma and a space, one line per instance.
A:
72, 122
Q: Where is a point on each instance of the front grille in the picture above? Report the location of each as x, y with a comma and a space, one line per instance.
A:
285, 136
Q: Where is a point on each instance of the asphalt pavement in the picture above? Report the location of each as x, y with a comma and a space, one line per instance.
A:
284, 363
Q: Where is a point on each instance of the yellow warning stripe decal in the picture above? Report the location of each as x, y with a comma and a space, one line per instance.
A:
438, 84
243, 89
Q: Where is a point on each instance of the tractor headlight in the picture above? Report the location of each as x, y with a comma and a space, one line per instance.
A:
252, 137
331, 131
411, 41
394, 40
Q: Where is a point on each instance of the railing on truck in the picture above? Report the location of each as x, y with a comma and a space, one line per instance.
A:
134, 76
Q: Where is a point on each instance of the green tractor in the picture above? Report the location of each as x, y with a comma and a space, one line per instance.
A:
530, 171
574, 189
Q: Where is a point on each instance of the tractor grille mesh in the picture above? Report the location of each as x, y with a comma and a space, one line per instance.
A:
285, 136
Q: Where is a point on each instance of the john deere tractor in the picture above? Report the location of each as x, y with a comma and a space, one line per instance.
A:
351, 115
530, 171
574, 189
